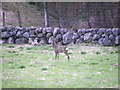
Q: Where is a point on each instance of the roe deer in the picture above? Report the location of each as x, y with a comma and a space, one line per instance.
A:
59, 48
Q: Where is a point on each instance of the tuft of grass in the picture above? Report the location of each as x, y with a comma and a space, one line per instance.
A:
11, 51
118, 51
97, 52
22, 66
16, 54
12, 67
83, 52
44, 69
10, 62
10, 46
29, 48
94, 63
111, 52
21, 48
107, 59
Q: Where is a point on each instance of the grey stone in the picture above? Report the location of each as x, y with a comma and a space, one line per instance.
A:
88, 30
93, 33
107, 42
115, 31
19, 34
109, 31
39, 30
80, 32
44, 31
67, 38
100, 41
50, 40
96, 37
11, 40
95, 30
49, 35
49, 29
20, 29
21, 41
39, 35
33, 28
83, 31
9, 28
33, 36
94, 42
44, 40
63, 31
106, 37
5, 34
32, 32
26, 35
117, 40
2, 29
2, 42
75, 36
79, 41
112, 37
56, 31
36, 31
101, 31
59, 36
87, 37
103, 35
11, 33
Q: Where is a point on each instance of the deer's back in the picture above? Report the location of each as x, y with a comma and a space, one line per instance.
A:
60, 49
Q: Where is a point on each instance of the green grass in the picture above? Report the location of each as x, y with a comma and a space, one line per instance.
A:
35, 67
10, 46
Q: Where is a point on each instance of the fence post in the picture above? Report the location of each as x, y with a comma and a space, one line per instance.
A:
3, 19
19, 19
46, 14
3, 15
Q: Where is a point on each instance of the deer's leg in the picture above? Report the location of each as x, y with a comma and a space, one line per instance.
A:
66, 53
56, 55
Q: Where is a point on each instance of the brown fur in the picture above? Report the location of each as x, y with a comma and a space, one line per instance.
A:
58, 48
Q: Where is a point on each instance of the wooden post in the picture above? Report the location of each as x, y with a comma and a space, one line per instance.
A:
46, 15
3, 15
19, 19
3, 19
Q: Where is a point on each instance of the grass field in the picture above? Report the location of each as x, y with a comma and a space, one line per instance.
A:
25, 66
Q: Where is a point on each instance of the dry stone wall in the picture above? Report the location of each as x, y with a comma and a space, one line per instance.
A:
102, 36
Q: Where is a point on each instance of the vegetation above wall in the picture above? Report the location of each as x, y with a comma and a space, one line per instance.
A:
62, 14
